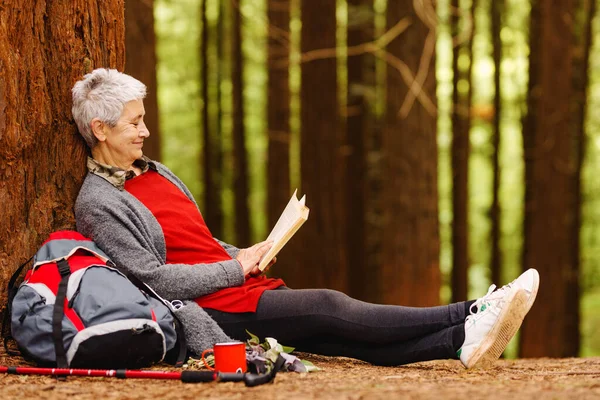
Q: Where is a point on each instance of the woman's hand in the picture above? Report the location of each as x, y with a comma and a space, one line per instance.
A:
273, 261
250, 257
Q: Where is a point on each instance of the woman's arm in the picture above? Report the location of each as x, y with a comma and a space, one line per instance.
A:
230, 249
127, 239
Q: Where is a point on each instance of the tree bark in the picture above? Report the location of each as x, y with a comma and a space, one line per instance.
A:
278, 108
360, 29
461, 125
140, 62
45, 47
320, 245
551, 180
410, 274
240, 172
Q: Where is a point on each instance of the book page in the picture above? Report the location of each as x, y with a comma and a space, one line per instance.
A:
290, 214
292, 218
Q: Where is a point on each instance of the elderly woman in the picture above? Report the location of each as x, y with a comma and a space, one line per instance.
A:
148, 222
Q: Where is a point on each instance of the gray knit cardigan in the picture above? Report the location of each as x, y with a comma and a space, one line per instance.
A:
132, 237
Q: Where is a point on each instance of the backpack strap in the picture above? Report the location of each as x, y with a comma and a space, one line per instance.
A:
58, 312
182, 342
12, 291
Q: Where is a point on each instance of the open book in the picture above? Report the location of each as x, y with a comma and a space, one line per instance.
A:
292, 218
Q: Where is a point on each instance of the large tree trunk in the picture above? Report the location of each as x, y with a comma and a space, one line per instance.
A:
361, 27
240, 171
411, 274
461, 125
45, 47
319, 248
140, 62
278, 109
551, 203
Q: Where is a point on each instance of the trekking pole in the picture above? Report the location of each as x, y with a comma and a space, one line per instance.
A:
183, 376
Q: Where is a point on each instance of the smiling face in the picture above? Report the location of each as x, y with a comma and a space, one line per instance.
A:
121, 144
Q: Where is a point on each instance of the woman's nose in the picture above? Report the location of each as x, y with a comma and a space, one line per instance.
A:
143, 131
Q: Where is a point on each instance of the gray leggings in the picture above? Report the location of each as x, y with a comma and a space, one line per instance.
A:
327, 322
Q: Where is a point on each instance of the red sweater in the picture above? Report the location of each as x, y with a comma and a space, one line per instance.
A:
189, 241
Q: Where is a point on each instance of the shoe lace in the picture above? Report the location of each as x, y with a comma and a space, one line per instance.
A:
500, 293
484, 303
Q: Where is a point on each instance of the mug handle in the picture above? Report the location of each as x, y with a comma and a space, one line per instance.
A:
204, 361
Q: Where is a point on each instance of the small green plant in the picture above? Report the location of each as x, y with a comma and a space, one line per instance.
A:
262, 357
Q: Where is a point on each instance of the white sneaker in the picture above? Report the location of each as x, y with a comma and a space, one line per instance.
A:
528, 281
488, 331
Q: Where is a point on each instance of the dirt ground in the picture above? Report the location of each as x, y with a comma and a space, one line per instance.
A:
340, 378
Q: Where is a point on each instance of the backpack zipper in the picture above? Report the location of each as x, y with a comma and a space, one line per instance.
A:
30, 311
72, 299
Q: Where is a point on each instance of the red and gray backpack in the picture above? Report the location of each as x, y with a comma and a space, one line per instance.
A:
75, 309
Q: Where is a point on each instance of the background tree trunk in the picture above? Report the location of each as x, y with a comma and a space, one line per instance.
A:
278, 106
360, 29
140, 62
240, 157
219, 218
320, 245
586, 12
375, 175
410, 271
496, 11
211, 168
551, 205
461, 125
45, 47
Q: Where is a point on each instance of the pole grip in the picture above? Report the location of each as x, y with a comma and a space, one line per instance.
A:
257, 379
230, 377
198, 376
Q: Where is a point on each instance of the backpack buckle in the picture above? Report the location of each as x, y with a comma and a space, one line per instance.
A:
63, 267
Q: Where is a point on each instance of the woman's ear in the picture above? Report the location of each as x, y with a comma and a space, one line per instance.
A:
98, 129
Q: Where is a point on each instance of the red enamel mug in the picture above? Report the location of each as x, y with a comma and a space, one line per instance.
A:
229, 357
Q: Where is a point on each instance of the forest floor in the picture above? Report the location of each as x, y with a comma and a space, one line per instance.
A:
340, 378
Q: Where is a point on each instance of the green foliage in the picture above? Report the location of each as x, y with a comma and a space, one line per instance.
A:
590, 327
178, 31
590, 230
254, 35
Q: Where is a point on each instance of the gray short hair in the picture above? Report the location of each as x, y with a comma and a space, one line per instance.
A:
102, 94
